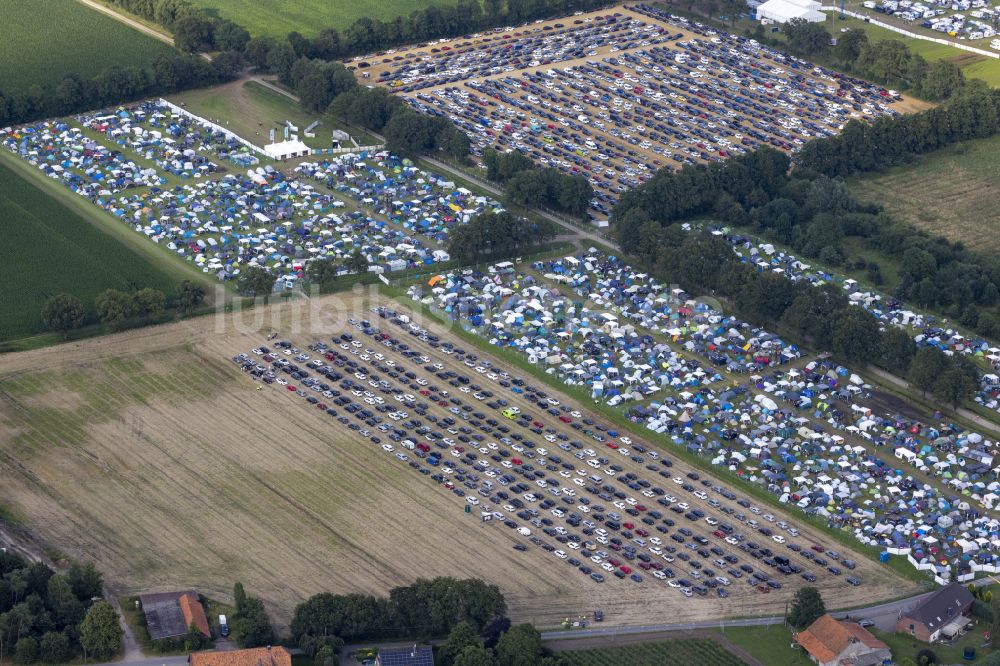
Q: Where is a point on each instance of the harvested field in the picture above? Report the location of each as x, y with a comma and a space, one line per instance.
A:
150, 453
951, 192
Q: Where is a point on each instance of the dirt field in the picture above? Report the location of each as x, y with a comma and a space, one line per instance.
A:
150, 453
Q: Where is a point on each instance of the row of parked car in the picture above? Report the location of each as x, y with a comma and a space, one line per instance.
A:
480, 446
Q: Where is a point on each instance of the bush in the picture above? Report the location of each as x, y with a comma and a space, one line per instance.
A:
26, 651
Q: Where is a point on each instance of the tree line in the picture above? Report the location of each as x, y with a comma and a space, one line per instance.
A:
808, 207
52, 617
114, 308
527, 184
425, 609
496, 235
889, 62
168, 73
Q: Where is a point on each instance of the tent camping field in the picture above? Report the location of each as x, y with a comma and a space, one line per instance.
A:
43, 41
279, 17
66, 253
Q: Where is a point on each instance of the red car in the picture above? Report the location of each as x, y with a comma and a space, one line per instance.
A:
516, 461
764, 588
442, 403
537, 424
625, 570
321, 405
565, 419
628, 526
291, 388
818, 549
641, 532
640, 507
615, 563
719, 533
611, 445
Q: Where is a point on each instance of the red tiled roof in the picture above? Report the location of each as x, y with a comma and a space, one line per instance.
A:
826, 638
194, 613
265, 656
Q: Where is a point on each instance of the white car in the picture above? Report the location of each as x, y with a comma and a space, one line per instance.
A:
659, 575
673, 583
561, 554
472, 500
656, 541
778, 538
388, 448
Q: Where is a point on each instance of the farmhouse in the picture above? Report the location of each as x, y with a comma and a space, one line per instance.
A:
831, 642
417, 655
169, 614
265, 656
941, 615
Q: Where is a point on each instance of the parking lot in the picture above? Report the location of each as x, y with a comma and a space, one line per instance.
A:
609, 510
617, 95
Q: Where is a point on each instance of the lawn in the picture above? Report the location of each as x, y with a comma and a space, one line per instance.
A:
49, 249
973, 65
903, 646
43, 42
251, 110
951, 192
680, 652
277, 18
769, 645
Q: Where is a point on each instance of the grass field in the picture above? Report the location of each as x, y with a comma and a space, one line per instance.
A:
52, 38
51, 249
973, 65
251, 109
769, 645
680, 652
277, 18
951, 192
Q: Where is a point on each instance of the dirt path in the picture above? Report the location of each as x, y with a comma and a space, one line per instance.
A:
132, 23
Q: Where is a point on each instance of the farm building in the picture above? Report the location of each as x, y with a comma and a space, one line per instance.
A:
783, 11
264, 656
417, 655
169, 614
284, 150
941, 615
831, 642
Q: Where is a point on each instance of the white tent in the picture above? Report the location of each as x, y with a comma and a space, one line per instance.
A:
783, 11
286, 149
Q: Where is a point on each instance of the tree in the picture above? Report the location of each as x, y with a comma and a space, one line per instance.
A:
148, 302
849, 45
26, 650
855, 334
113, 307
230, 36
494, 629
806, 38
807, 607
100, 633
942, 79
193, 33
461, 637
86, 581
239, 597
194, 640
357, 262
252, 627
926, 657
63, 313
54, 647
927, 365
475, 655
189, 296
897, 350
256, 281
521, 646
954, 387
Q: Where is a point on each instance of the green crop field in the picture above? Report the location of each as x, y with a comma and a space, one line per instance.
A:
49, 249
951, 192
681, 652
42, 41
277, 18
